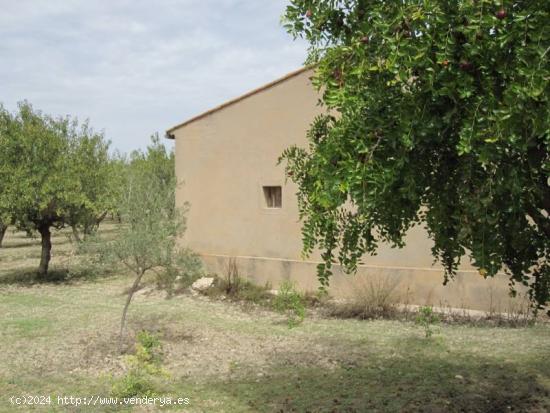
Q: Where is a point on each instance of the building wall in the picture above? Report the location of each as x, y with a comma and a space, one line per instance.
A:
223, 160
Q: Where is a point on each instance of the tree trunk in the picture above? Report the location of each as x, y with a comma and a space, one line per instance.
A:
75, 234
100, 218
128, 300
46, 251
3, 229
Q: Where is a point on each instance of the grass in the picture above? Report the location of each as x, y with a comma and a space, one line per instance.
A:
61, 339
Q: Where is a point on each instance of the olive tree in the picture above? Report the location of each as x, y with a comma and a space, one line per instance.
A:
437, 112
147, 239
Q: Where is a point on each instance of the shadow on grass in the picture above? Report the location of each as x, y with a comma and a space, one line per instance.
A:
32, 242
416, 383
27, 243
28, 276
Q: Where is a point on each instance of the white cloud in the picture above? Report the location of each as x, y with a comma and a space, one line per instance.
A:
136, 67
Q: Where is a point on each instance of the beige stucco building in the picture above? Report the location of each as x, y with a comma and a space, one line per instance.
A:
241, 206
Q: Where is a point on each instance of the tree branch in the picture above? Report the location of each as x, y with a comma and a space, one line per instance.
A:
540, 220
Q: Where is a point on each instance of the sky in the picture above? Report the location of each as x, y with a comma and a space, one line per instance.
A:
136, 67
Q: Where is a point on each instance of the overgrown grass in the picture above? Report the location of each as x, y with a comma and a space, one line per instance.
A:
61, 339
234, 287
372, 298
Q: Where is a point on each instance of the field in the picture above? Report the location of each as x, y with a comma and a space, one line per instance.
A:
60, 339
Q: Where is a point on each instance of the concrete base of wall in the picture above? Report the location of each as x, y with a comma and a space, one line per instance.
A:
419, 286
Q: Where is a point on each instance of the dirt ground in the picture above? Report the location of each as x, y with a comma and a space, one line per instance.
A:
62, 339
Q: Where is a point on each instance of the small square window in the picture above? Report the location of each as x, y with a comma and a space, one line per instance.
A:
273, 196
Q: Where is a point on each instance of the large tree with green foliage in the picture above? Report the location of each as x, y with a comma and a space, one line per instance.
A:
437, 113
6, 123
98, 177
44, 174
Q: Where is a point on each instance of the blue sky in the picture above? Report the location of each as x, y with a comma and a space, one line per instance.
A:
134, 67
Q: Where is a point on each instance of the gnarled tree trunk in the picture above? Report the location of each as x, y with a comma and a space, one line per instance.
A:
131, 293
98, 220
46, 235
3, 229
76, 235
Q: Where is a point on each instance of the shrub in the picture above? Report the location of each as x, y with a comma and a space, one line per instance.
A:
427, 318
373, 297
148, 349
233, 281
144, 368
236, 288
184, 269
290, 303
316, 298
133, 384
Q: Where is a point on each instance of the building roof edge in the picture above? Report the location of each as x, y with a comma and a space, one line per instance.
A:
170, 132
